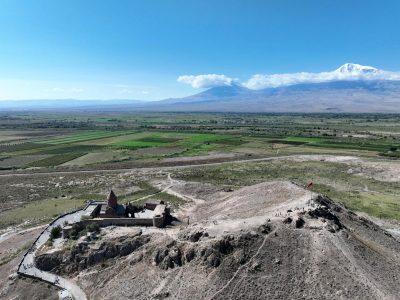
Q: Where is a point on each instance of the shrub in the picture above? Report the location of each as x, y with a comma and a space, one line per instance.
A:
93, 228
75, 231
55, 232
78, 230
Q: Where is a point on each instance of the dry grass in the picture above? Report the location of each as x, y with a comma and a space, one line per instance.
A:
39, 212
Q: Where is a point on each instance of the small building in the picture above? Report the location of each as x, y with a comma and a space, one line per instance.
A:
66, 231
159, 215
151, 204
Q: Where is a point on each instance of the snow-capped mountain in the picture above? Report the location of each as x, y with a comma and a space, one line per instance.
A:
351, 88
356, 70
345, 72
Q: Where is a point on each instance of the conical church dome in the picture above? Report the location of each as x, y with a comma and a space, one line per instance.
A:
112, 199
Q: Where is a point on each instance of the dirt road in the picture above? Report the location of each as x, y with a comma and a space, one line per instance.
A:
28, 267
168, 167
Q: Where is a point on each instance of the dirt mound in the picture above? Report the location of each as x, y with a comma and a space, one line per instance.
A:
264, 198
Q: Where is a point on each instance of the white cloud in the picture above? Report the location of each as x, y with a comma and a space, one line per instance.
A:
345, 72
206, 81
348, 71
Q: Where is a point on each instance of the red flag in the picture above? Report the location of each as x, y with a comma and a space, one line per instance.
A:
309, 185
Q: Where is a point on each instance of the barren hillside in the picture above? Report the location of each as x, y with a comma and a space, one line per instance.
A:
266, 241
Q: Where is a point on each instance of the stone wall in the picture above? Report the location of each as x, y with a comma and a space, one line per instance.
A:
118, 222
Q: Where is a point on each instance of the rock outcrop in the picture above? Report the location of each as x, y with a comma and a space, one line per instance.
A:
84, 255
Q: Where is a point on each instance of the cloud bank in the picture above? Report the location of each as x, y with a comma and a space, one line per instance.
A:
206, 81
261, 81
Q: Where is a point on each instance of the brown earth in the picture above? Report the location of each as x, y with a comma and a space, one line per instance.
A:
267, 241
12, 286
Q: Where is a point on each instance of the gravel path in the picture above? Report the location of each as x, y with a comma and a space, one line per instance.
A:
28, 267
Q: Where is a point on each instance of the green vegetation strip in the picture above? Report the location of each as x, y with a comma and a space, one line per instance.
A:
55, 160
81, 137
171, 139
340, 143
9, 148
158, 139
65, 149
133, 145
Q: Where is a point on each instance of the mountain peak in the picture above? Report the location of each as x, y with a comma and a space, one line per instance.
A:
356, 69
225, 91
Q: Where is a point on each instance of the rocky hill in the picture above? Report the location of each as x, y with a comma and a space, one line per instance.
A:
267, 241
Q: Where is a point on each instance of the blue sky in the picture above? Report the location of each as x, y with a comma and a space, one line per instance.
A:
137, 49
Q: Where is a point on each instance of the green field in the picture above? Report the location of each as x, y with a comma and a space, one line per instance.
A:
81, 137
345, 143
159, 139
190, 141
304, 139
137, 144
55, 160
193, 135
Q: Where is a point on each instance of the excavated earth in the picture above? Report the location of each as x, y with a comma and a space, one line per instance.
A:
267, 241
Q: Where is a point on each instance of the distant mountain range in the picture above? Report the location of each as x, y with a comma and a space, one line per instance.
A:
361, 94
337, 96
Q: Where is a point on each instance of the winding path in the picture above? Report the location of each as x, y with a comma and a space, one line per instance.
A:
27, 266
